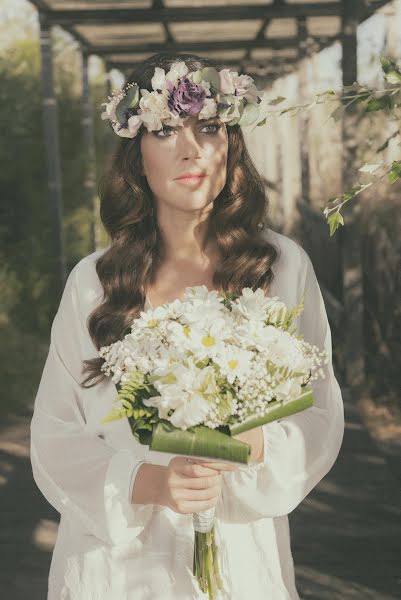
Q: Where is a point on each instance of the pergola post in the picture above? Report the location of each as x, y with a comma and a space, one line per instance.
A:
304, 55
350, 234
90, 153
51, 138
108, 82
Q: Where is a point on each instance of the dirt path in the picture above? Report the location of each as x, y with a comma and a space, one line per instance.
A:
346, 535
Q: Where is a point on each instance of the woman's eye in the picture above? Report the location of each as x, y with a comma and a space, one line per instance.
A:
216, 127
164, 132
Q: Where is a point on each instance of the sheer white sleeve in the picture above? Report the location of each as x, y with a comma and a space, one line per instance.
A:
77, 471
299, 450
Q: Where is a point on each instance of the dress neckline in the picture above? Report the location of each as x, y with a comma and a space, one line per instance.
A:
149, 302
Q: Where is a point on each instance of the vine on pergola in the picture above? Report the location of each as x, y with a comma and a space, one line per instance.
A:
370, 100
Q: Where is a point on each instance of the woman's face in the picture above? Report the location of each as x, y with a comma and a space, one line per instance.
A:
200, 145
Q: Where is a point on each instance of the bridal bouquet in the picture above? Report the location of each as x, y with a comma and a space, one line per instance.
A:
193, 373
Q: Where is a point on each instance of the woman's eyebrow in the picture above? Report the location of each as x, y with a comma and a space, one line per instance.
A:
211, 119
202, 122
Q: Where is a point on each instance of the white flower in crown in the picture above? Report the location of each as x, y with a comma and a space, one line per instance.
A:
241, 86
177, 70
234, 112
158, 80
154, 109
209, 109
134, 122
111, 105
246, 88
205, 85
180, 93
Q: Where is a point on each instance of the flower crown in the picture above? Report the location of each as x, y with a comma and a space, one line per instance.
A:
179, 94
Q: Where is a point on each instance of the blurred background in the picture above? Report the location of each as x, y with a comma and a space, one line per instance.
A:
59, 60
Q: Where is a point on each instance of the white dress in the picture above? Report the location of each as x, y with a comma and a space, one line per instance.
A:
110, 549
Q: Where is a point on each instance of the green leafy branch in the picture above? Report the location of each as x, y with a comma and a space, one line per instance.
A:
371, 100
334, 216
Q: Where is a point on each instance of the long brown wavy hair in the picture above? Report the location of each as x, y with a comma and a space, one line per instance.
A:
127, 212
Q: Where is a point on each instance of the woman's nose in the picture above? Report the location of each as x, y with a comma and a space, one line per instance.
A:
188, 144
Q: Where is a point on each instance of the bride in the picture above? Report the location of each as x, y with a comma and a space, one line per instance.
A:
183, 205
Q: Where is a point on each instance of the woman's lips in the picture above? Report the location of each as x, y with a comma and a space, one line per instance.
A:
191, 180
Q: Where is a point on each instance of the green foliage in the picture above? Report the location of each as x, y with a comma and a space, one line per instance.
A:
386, 101
286, 316
334, 220
395, 171
130, 100
211, 75
392, 73
129, 403
381, 103
249, 115
28, 300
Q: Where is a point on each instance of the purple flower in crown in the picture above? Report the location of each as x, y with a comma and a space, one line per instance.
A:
187, 98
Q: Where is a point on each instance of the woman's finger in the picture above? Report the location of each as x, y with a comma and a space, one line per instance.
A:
215, 464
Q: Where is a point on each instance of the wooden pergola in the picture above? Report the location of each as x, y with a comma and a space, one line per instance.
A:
264, 38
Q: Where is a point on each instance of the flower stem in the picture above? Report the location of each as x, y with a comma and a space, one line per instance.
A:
209, 564
205, 563
216, 561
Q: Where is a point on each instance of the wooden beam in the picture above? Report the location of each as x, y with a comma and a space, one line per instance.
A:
101, 16
45, 11
274, 61
196, 45
246, 67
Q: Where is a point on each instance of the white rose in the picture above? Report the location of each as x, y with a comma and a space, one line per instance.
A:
226, 81
288, 389
110, 110
121, 131
192, 411
153, 109
158, 80
224, 116
177, 70
205, 85
209, 109
175, 120
245, 87
134, 124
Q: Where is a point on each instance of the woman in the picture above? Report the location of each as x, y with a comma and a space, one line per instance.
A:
126, 530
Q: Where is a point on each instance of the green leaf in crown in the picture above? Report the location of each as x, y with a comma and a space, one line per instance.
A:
249, 115
211, 75
130, 100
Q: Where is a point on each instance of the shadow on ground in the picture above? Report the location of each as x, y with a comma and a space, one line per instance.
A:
28, 525
346, 535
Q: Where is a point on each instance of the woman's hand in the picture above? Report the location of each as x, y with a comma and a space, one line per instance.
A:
253, 437
190, 487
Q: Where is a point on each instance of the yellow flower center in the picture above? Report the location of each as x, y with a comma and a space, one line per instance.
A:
232, 363
208, 340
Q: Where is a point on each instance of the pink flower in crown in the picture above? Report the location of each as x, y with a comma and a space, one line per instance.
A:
238, 85
187, 98
245, 87
226, 81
